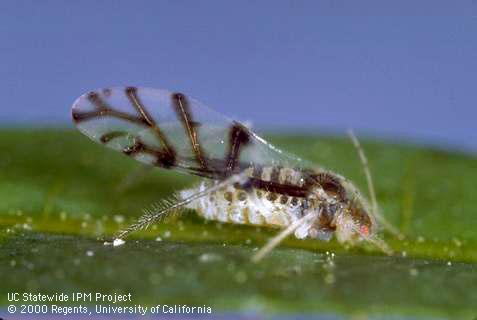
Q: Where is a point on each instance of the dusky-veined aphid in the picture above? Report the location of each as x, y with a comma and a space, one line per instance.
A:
246, 180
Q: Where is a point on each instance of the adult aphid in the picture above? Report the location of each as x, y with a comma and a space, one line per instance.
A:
246, 179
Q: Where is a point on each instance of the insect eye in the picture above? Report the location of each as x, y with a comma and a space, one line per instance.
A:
364, 230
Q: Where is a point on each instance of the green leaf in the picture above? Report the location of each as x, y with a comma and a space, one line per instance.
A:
62, 196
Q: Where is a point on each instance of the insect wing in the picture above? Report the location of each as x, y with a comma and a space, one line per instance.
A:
170, 130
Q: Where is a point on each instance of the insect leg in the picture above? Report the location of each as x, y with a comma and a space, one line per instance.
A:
372, 193
275, 241
169, 206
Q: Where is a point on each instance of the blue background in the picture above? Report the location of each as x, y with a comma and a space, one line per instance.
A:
405, 70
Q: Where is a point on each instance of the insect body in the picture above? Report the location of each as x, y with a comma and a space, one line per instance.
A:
327, 197
246, 179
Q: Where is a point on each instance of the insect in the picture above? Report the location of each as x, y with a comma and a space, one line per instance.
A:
246, 180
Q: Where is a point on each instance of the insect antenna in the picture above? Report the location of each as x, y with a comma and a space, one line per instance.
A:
275, 241
170, 205
371, 190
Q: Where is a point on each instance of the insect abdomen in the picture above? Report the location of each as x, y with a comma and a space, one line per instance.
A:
254, 206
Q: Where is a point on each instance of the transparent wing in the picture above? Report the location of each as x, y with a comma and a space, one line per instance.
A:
170, 130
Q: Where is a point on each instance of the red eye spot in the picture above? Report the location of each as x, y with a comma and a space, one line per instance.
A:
364, 230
